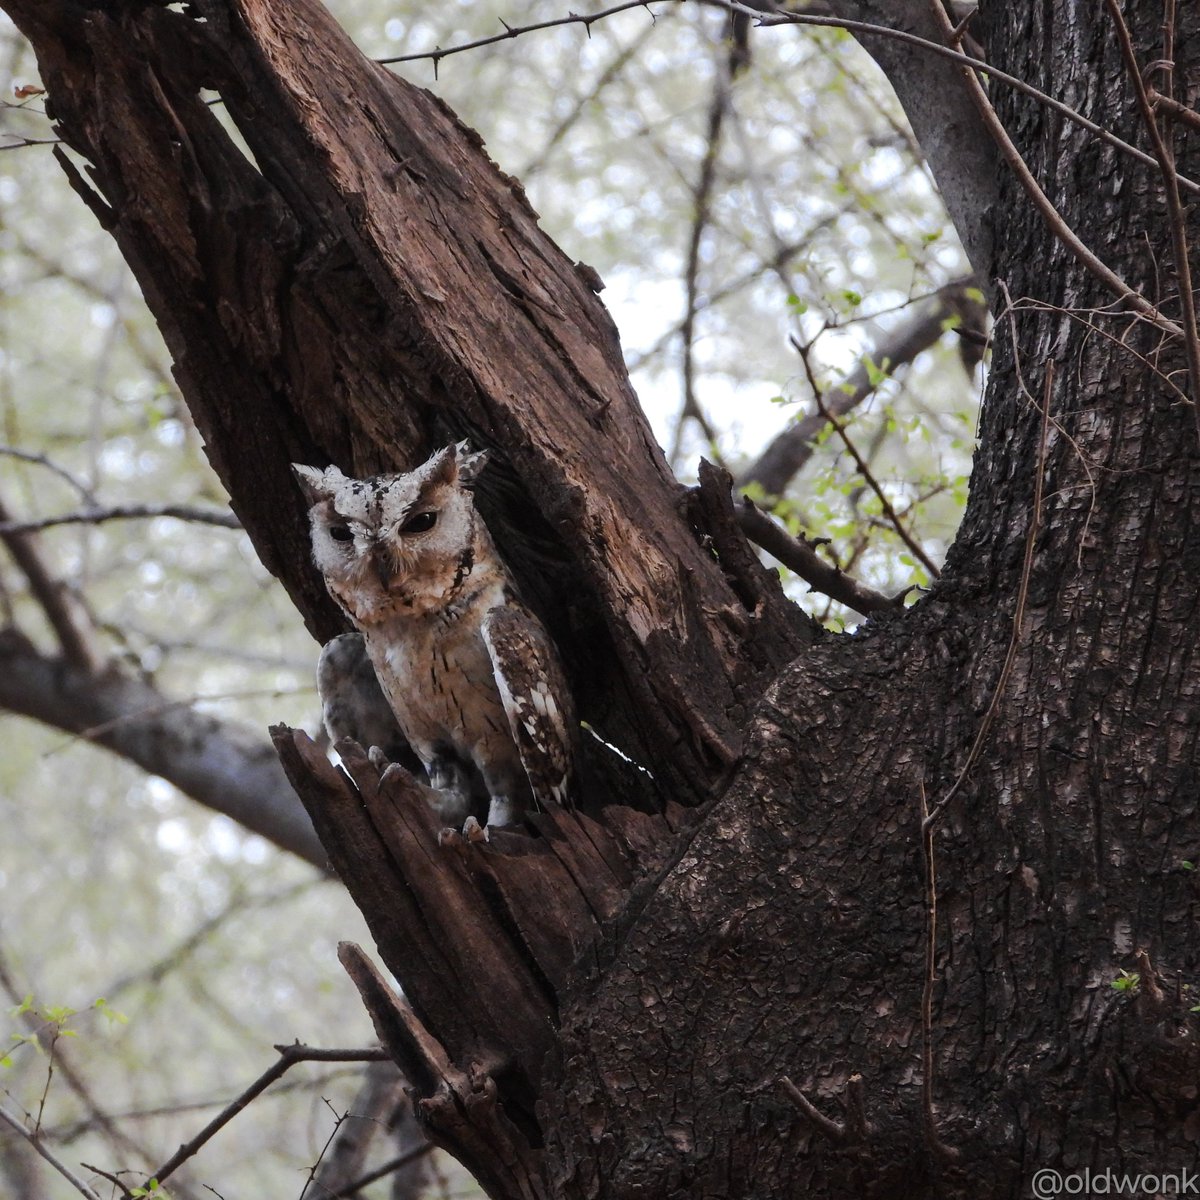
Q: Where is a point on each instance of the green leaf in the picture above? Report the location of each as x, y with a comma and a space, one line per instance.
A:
111, 1013
1126, 981
876, 374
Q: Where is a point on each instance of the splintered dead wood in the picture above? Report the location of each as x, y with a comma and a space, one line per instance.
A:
483, 936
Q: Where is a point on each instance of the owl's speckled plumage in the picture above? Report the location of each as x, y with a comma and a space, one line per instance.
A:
471, 675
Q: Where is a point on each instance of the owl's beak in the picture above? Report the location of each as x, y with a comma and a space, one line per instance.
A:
387, 570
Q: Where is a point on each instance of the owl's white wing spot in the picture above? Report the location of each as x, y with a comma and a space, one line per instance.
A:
534, 695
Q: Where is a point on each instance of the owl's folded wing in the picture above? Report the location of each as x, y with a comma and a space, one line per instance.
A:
536, 699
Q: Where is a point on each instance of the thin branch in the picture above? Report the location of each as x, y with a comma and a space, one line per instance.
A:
1175, 213
787, 453
965, 60
125, 512
622, 59
1076, 315
932, 1139
831, 1129
47, 1035
515, 31
41, 460
863, 468
21, 142
289, 1056
1180, 112
78, 1184
388, 1168
702, 207
1035, 524
65, 615
821, 21
802, 558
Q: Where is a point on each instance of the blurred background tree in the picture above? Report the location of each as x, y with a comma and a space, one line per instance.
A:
765, 233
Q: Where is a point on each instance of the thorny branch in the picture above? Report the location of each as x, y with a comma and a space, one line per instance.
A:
587, 20
820, 20
786, 454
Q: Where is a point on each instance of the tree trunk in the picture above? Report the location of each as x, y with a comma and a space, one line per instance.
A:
726, 1001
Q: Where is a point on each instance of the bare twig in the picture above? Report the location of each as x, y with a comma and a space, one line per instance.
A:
789, 450
41, 460
125, 512
822, 21
21, 142
1035, 523
934, 1142
701, 202
802, 558
18, 1128
47, 1034
863, 468
64, 613
1178, 221
289, 1056
618, 63
381, 1172
1171, 106
1077, 315
831, 1129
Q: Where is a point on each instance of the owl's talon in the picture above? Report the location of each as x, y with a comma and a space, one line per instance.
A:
474, 832
377, 759
449, 837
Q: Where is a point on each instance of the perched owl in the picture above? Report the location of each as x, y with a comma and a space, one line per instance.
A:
470, 673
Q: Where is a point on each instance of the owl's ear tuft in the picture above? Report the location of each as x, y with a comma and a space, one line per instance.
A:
470, 465
442, 467
317, 485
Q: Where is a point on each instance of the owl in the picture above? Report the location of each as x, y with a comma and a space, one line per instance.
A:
469, 672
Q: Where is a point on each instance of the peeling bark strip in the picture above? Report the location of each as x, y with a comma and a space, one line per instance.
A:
369, 284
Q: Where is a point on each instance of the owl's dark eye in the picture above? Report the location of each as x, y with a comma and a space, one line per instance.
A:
419, 522
340, 533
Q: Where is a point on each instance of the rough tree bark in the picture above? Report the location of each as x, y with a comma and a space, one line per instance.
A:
612, 1008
